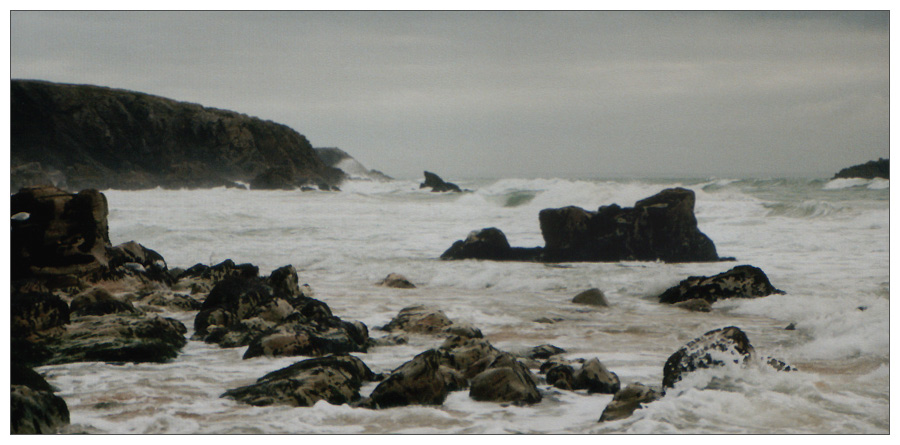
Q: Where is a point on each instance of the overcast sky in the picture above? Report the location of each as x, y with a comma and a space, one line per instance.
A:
523, 94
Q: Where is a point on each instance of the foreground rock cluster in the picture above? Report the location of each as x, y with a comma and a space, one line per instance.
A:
661, 227
75, 297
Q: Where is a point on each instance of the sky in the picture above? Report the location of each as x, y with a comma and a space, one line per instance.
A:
599, 94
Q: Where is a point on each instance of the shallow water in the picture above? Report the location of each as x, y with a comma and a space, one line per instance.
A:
823, 242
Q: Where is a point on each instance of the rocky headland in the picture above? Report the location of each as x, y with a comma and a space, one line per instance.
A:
870, 170
81, 136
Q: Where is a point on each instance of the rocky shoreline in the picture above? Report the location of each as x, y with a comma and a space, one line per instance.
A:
75, 297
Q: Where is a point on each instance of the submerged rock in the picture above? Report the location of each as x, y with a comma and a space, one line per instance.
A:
629, 399
695, 305
437, 184
592, 376
739, 282
397, 281
591, 297
335, 379
713, 348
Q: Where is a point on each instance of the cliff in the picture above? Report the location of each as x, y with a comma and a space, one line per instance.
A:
81, 136
870, 170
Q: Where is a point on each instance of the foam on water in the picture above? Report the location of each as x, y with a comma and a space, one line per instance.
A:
824, 243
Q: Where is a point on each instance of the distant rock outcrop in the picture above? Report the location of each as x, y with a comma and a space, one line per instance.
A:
83, 136
662, 227
337, 158
437, 184
870, 170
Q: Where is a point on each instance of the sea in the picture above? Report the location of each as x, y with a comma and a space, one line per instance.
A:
825, 243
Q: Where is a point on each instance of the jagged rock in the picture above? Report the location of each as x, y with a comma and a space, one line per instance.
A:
739, 282
591, 297
118, 338
627, 400
561, 376
505, 380
695, 305
470, 356
544, 351
297, 335
419, 319
98, 301
201, 278
594, 377
714, 348
127, 255
661, 227
870, 170
397, 281
419, 381
109, 138
335, 379
437, 184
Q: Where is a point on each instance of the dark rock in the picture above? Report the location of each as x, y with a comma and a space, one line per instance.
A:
397, 281
505, 382
35, 411
695, 305
739, 282
714, 348
661, 227
594, 377
420, 320
437, 184
275, 178
123, 257
33, 313
419, 381
335, 379
470, 356
489, 244
118, 338
98, 301
791, 327
627, 400
33, 174
107, 138
298, 336
870, 170
561, 376
64, 234
170, 300
545, 351
25, 376
591, 297
202, 278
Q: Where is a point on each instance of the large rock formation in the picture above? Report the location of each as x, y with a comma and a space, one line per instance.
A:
739, 282
337, 158
99, 137
662, 227
870, 170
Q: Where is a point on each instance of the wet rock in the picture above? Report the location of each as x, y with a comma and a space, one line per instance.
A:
335, 379
627, 400
98, 301
469, 356
437, 184
870, 170
505, 380
713, 348
169, 300
591, 297
419, 381
488, 244
118, 338
544, 351
298, 336
594, 377
694, 305
429, 320
36, 411
37, 312
561, 376
791, 327
739, 282
397, 281
131, 257
202, 278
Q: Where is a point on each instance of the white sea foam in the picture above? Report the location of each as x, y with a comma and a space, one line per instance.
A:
825, 244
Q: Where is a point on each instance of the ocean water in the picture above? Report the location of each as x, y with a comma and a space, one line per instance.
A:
825, 243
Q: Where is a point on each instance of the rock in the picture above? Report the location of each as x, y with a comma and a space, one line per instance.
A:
137, 258
108, 138
488, 244
201, 278
118, 338
274, 178
870, 170
37, 312
469, 356
591, 297
506, 382
33, 174
627, 400
791, 327
561, 376
397, 281
65, 234
437, 184
170, 301
36, 411
695, 305
714, 348
97, 301
299, 336
419, 381
337, 158
544, 351
594, 377
419, 320
739, 282
661, 227
335, 379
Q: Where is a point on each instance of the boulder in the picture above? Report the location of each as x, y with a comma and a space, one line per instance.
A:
544, 352
35, 411
694, 305
505, 380
437, 184
470, 356
420, 381
98, 301
739, 282
201, 278
334, 378
627, 400
419, 320
118, 338
713, 348
489, 244
591, 297
125, 259
397, 281
594, 377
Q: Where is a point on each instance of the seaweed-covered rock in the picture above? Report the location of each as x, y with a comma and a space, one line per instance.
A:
739, 282
505, 380
713, 348
420, 381
334, 378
